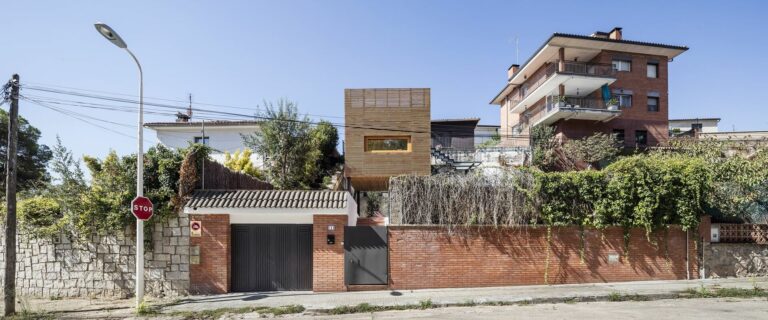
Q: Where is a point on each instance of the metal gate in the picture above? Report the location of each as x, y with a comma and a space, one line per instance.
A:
365, 255
271, 257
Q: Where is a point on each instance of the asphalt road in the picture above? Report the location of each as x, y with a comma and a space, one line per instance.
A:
677, 309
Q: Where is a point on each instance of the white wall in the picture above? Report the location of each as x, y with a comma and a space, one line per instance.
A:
708, 126
221, 139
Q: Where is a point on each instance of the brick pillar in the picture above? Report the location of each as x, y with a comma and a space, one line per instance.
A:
211, 273
705, 228
328, 259
561, 58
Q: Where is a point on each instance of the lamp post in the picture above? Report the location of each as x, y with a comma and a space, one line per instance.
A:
113, 37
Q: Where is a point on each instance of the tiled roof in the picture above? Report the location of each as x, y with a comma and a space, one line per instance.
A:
294, 199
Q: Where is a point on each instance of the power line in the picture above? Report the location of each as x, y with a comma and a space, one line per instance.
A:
80, 117
238, 115
256, 108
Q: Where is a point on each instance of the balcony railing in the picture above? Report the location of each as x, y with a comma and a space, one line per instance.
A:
576, 103
569, 67
589, 69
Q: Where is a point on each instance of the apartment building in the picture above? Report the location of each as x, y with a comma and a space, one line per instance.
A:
583, 84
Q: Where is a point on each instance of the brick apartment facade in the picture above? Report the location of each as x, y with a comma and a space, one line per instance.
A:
565, 83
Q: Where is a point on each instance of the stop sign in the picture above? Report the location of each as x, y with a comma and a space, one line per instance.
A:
141, 207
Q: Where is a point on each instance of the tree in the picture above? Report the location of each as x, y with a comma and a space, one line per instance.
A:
325, 137
32, 158
591, 149
241, 162
544, 147
68, 178
285, 142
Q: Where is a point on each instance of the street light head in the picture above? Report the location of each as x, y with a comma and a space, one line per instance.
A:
110, 34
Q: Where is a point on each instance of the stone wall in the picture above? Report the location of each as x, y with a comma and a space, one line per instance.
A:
104, 265
722, 260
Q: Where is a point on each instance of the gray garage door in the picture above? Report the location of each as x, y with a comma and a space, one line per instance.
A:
271, 257
365, 255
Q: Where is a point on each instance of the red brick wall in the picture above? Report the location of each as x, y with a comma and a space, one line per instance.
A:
423, 257
212, 274
638, 117
328, 259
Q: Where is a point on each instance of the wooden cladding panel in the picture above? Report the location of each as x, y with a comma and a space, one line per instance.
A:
393, 98
381, 113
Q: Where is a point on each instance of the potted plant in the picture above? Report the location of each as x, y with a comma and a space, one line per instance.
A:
612, 104
559, 101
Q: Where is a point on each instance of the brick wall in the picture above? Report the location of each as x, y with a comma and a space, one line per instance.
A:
211, 273
327, 259
424, 257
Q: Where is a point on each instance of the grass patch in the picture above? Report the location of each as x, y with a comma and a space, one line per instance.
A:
702, 292
218, 313
277, 311
467, 303
29, 315
618, 297
144, 309
369, 308
426, 304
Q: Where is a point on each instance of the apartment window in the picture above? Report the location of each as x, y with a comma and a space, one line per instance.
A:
697, 126
641, 137
622, 65
625, 100
619, 135
203, 140
388, 144
653, 70
653, 104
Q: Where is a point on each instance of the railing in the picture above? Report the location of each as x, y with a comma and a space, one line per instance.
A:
576, 103
744, 233
569, 67
490, 155
590, 69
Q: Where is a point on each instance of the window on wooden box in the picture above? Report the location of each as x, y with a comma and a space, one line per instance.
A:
388, 144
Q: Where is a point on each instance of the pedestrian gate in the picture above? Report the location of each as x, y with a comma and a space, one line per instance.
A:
365, 255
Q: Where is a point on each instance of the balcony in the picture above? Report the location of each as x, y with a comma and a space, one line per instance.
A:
575, 108
578, 78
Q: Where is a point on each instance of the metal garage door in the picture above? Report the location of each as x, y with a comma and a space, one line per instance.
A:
271, 257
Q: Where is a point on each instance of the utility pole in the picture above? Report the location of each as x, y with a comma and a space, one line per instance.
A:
9, 283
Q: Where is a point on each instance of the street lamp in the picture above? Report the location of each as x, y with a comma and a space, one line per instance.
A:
113, 37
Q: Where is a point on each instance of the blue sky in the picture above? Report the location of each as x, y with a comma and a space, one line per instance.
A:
240, 53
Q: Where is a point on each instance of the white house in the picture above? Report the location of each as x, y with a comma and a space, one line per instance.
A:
221, 136
704, 125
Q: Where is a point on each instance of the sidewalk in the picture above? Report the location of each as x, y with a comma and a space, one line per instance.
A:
322, 302
539, 293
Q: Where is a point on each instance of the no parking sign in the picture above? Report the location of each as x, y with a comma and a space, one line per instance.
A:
195, 228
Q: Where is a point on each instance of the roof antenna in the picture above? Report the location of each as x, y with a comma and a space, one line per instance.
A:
517, 50
184, 117
189, 111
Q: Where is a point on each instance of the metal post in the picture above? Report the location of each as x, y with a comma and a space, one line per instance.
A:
139, 188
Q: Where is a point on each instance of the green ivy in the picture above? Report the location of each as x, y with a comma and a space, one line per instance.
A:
40, 216
639, 191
